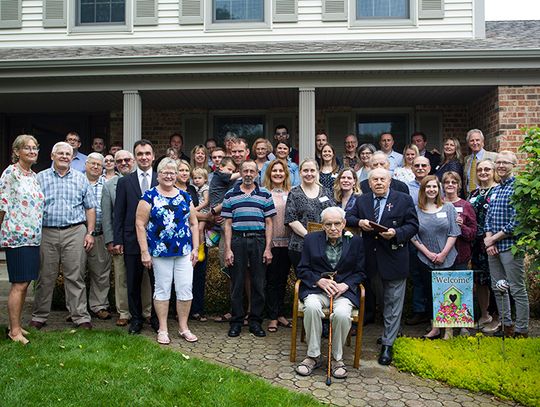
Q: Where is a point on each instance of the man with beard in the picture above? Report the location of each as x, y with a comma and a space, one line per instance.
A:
248, 211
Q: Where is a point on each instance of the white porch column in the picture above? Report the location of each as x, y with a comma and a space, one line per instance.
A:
132, 118
306, 123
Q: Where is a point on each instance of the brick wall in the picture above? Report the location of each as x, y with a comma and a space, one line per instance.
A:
484, 115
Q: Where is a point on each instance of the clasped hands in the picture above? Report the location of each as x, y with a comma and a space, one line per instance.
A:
331, 287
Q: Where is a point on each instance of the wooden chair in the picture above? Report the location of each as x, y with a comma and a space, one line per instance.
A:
357, 315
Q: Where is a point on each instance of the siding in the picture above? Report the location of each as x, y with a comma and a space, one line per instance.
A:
457, 23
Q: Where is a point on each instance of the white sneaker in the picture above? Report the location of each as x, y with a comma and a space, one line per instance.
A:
464, 332
485, 321
491, 328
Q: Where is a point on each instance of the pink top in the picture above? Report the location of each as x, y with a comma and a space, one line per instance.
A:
280, 232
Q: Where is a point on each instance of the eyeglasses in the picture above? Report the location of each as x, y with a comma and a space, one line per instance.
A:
94, 164
503, 163
168, 174
487, 169
420, 165
123, 160
450, 182
108, 161
29, 149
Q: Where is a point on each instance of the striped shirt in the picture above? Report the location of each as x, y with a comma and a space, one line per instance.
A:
248, 211
66, 198
98, 192
501, 214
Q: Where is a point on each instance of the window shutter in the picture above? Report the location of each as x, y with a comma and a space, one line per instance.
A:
193, 130
54, 13
431, 9
191, 11
10, 14
285, 11
334, 10
146, 12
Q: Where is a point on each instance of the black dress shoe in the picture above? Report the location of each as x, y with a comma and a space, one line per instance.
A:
135, 328
257, 331
235, 330
385, 357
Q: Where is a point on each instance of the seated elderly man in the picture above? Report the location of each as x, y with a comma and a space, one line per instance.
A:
332, 264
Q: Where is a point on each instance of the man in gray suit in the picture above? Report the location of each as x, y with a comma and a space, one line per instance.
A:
475, 140
124, 163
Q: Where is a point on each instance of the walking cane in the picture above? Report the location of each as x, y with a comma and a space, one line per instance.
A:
331, 309
503, 286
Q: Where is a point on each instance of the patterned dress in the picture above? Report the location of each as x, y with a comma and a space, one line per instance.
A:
168, 232
480, 200
22, 201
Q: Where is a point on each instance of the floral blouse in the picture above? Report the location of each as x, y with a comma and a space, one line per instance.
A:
168, 233
22, 201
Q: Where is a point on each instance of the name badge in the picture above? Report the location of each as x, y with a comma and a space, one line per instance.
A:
459, 209
284, 197
323, 199
441, 214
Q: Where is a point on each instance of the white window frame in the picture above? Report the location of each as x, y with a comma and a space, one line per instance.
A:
384, 22
210, 24
98, 28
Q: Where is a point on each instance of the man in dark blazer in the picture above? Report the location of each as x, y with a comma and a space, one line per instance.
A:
329, 252
387, 252
419, 139
380, 160
128, 192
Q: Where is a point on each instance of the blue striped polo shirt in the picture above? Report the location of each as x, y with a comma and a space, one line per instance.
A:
248, 211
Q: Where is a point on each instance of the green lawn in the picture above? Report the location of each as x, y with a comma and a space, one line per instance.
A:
477, 363
93, 368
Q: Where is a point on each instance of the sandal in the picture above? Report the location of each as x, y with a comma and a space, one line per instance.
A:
223, 318
188, 336
19, 338
287, 325
272, 328
308, 365
339, 370
198, 317
163, 338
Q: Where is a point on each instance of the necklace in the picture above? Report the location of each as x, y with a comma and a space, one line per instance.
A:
23, 170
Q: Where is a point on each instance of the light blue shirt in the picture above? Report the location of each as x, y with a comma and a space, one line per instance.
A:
414, 189
79, 162
395, 159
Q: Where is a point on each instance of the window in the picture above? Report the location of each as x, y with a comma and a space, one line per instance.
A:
248, 127
101, 12
370, 126
238, 10
382, 9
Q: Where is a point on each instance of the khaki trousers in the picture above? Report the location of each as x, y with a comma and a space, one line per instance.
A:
341, 323
62, 246
120, 289
98, 266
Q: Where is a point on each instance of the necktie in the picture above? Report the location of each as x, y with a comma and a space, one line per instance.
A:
472, 175
144, 183
377, 208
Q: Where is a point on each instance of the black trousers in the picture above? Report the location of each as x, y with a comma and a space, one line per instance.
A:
277, 275
199, 282
248, 251
134, 275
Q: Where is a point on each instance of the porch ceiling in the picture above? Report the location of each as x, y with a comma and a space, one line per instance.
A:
236, 99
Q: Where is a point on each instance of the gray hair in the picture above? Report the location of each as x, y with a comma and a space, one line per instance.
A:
333, 209
474, 131
61, 144
371, 174
507, 153
96, 156
167, 163
379, 153
124, 152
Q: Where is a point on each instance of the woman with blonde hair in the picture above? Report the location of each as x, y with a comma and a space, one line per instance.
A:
199, 157
277, 181
451, 158
21, 215
405, 173
259, 152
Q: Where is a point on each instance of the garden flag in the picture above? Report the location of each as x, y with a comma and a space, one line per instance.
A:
453, 299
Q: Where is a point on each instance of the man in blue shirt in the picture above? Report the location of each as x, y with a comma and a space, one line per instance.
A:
68, 234
248, 211
386, 142
79, 159
503, 265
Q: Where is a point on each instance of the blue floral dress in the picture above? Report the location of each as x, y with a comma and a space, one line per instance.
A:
168, 233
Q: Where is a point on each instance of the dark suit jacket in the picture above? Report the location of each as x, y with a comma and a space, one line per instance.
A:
390, 258
395, 184
314, 263
128, 194
434, 160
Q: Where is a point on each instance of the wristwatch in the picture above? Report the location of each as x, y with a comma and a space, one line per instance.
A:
93, 233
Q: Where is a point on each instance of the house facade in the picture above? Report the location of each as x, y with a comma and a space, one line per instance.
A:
126, 69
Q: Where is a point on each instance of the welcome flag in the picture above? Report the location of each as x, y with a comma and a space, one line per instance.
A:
453, 298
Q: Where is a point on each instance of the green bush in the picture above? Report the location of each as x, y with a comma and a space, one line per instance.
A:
476, 363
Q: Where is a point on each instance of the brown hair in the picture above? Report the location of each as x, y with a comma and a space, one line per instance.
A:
267, 179
454, 175
338, 194
422, 197
335, 167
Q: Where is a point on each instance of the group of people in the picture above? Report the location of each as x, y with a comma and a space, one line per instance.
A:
410, 214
